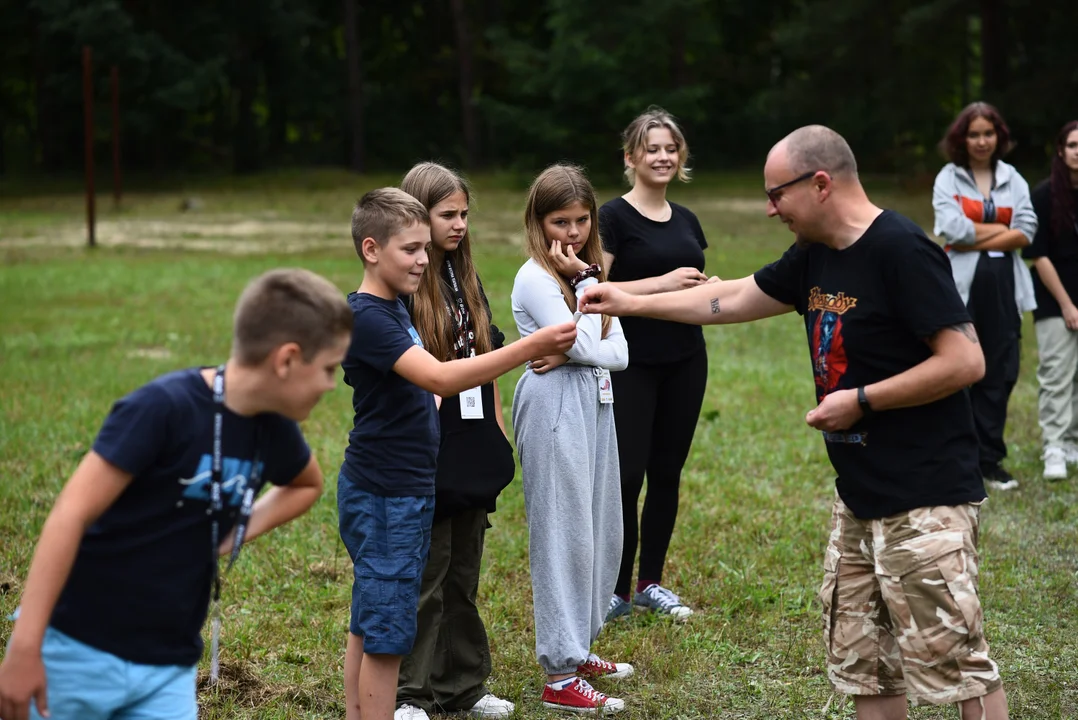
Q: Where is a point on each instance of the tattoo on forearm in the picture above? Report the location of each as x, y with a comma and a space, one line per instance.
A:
714, 306
969, 331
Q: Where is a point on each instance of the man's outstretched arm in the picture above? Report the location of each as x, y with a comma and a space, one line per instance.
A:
714, 303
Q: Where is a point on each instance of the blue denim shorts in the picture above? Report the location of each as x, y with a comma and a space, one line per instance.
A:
388, 539
89, 684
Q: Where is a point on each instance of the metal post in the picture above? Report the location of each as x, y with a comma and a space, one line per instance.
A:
88, 110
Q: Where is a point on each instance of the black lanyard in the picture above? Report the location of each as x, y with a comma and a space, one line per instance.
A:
462, 317
217, 510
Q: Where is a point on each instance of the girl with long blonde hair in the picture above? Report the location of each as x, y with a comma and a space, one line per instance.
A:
449, 664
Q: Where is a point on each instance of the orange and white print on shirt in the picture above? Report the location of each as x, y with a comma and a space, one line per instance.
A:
974, 210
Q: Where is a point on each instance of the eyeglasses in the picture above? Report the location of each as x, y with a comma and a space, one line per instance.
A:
800, 178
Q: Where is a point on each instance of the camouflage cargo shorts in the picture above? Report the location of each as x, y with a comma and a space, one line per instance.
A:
900, 607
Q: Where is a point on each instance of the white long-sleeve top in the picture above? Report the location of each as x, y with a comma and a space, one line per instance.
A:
538, 302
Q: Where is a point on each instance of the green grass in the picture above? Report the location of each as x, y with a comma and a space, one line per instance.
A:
79, 328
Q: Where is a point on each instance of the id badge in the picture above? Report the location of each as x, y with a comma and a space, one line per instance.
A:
996, 253
471, 404
606, 389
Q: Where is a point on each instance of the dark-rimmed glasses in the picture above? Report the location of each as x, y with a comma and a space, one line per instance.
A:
800, 178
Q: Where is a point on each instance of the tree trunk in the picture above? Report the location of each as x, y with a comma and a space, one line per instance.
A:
357, 160
679, 68
43, 126
993, 50
466, 83
247, 157
275, 65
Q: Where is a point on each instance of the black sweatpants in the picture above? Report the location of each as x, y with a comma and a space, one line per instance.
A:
655, 411
999, 326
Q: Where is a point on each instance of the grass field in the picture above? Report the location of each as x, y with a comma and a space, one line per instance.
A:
78, 329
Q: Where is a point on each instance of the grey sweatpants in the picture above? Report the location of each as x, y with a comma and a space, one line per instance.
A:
1057, 374
572, 493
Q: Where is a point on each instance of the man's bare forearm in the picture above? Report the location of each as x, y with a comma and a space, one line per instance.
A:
956, 362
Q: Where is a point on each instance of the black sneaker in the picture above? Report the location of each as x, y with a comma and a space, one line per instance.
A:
998, 479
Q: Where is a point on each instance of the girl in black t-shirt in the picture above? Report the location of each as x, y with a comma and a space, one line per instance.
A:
652, 245
1055, 281
450, 661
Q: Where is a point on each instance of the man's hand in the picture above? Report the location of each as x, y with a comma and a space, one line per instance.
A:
683, 277
838, 411
22, 677
547, 363
606, 299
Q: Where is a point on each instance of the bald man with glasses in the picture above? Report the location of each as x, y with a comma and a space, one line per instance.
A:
892, 349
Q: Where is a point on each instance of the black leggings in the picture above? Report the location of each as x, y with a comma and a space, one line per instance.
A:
655, 408
999, 327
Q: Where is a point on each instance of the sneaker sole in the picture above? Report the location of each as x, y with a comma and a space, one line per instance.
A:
603, 710
681, 616
997, 485
619, 675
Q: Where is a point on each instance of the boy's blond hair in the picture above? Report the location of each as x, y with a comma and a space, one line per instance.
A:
284, 306
382, 213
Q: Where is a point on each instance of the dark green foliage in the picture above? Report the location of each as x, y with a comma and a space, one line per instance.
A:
245, 85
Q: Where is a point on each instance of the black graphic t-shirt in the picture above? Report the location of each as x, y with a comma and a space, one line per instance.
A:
868, 311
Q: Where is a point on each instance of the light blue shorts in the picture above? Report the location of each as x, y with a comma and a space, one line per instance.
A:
83, 683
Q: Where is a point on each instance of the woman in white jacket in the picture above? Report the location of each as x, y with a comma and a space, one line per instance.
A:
983, 211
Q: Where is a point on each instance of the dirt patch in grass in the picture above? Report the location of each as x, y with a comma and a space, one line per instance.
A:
229, 234
239, 686
236, 237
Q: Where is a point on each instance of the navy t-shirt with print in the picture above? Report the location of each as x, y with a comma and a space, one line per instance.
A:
140, 585
393, 446
868, 311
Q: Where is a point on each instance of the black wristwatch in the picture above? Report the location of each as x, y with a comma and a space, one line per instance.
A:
862, 400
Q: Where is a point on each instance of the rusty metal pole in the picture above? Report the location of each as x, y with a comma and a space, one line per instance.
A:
88, 110
117, 180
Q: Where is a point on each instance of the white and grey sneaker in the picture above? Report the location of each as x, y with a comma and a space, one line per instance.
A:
617, 608
661, 600
410, 712
1055, 463
491, 706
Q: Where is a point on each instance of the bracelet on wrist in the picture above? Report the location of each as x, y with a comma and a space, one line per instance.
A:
588, 272
862, 400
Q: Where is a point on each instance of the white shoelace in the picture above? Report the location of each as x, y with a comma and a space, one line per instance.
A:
590, 693
664, 597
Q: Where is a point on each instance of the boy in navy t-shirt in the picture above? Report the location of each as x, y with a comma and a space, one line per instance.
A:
120, 583
385, 494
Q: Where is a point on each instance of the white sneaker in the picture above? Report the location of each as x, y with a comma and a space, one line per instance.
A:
1055, 463
1070, 450
410, 712
491, 706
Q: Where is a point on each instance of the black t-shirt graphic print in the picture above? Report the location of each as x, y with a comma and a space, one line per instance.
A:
829, 361
869, 311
